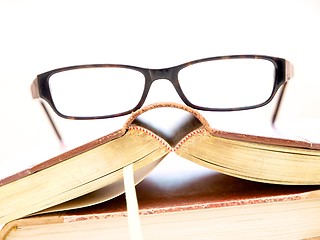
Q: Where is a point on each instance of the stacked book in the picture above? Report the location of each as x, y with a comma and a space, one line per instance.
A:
257, 187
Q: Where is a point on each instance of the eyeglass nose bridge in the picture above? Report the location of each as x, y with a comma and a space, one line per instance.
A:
170, 74
164, 73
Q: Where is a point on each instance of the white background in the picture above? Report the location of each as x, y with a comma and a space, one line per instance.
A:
37, 36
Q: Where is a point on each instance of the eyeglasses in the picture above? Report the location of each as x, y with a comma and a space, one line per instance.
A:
226, 83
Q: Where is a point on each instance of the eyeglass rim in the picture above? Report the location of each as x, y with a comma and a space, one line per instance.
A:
40, 86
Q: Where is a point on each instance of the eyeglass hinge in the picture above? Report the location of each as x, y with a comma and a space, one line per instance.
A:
289, 70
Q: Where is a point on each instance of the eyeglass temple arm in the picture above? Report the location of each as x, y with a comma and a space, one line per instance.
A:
276, 110
35, 95
56, 131
288, 76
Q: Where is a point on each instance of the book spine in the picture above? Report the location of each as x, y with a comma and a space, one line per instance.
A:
163, 142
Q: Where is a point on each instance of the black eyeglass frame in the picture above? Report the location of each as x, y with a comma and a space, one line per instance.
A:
283, 72
40, 87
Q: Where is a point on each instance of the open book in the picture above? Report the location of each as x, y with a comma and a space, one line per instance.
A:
96, 167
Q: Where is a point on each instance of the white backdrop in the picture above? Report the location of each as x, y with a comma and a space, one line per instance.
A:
37, 36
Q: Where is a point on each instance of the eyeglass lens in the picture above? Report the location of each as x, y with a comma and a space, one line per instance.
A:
229, 83
96, 91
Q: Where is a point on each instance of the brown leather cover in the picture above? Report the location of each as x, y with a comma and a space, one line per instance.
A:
225, 134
